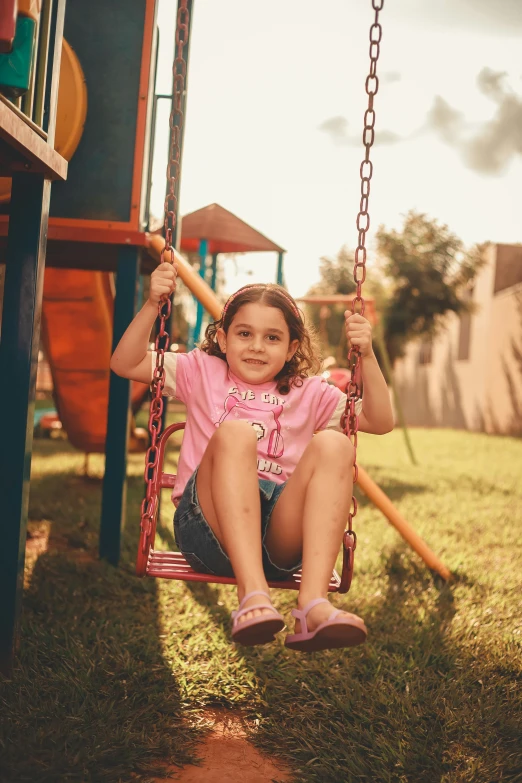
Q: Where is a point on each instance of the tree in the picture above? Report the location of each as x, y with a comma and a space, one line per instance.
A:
422, 273
336, 274
336, 277
429, 273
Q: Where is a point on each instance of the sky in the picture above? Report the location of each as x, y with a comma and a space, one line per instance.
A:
275, 114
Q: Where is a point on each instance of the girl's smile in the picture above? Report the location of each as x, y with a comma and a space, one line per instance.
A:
257, 343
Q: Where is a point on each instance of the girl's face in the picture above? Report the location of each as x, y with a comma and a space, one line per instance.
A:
257, 343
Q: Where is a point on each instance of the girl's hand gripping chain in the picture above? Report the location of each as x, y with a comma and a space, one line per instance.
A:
163, 282
359, 333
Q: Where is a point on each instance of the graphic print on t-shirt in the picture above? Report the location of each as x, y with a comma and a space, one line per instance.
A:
264, 420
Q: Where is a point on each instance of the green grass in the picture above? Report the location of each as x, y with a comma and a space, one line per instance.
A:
115, 672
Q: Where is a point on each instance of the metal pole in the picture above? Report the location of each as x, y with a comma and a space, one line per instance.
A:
152, 132
280, 274
213, 281
203, 249
118, 414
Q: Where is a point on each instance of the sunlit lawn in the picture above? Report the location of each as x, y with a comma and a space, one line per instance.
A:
115, 671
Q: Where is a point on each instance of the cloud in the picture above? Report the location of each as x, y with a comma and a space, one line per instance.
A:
386, 137
490, 148
490, 83
444, 120
337, 129
389, 77
493, 16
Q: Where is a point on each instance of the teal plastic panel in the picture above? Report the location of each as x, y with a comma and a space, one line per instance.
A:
15, 67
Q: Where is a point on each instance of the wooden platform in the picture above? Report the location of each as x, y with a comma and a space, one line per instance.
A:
23, 146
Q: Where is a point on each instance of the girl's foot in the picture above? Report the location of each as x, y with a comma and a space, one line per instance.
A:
258, 625
259, 599
319, 626
317, 615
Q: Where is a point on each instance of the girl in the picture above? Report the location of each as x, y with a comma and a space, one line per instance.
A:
258, 495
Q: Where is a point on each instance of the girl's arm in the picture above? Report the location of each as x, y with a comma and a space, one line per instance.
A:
377, 414
131, 358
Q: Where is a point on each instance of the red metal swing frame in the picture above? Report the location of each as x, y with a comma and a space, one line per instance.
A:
172, 565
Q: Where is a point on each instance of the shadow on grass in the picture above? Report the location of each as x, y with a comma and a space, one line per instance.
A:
396, 489
94, 697
91, 697
407, 706
393, 487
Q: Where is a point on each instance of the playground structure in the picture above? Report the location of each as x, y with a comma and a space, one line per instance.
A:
214, 230
96, 223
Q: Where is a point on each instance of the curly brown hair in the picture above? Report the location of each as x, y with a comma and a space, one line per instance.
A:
305, 361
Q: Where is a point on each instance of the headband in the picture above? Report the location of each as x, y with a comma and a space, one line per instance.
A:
266, 287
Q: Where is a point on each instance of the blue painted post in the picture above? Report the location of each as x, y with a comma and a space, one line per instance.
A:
203, 250
118, 415
213, 281
280, 276
19, 343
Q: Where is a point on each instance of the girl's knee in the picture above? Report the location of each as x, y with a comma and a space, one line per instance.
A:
334, 447
238, 435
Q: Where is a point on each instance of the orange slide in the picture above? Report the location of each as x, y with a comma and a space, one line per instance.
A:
77, 316
77, 319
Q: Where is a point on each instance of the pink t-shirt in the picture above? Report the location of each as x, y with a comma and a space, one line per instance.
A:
284, 424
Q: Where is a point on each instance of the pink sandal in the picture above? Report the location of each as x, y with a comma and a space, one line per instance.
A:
345, 631
257, 630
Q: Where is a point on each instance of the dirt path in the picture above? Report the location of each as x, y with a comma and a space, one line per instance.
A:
228, 757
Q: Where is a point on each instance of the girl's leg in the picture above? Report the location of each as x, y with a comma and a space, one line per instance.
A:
310, 517
228, 492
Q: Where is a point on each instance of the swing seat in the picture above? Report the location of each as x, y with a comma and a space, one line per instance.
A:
172, 565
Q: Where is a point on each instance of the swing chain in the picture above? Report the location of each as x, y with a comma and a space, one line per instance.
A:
349, 419
179, 72
148, 506
179, 69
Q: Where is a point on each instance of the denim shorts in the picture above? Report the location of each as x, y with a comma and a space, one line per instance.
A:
199, 545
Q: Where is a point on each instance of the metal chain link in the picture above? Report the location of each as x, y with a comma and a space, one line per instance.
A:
350, 420
179, 72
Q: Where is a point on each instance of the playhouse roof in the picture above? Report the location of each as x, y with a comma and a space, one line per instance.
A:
224, 231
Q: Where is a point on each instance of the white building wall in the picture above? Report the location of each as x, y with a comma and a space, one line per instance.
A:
483, 392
